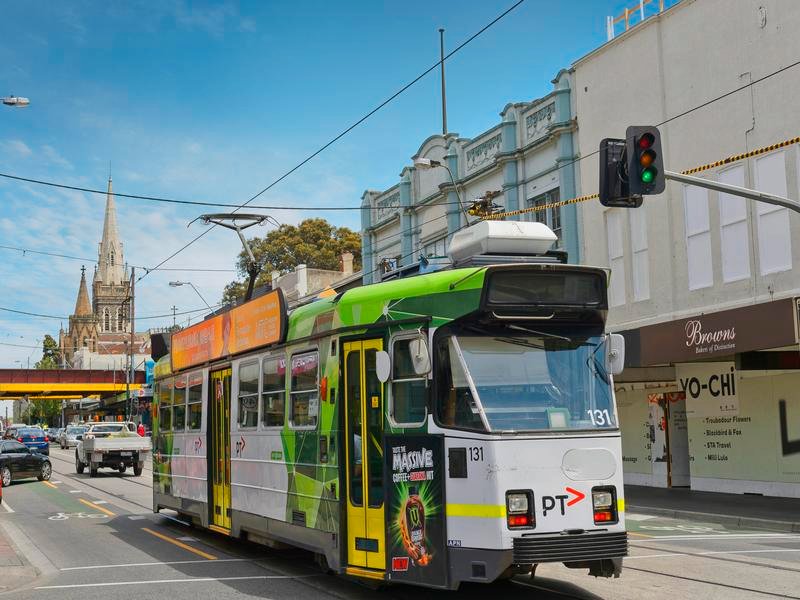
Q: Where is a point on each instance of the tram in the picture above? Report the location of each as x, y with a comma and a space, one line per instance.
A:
453, 426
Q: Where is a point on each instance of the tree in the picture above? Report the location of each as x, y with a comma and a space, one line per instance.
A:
51, 354
314, 242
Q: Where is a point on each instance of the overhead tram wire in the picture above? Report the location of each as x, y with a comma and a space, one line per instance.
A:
351, 127
148, 317
94, 261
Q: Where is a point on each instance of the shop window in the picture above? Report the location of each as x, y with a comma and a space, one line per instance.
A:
248, 395
179, 404
408, 395
304, 393
273, 392
194, 412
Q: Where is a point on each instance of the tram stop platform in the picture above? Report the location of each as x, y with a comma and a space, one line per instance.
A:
736, 510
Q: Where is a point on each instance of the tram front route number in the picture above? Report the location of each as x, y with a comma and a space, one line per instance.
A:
78, 515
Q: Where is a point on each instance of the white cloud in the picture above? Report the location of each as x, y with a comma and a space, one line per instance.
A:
17, 147
52, 156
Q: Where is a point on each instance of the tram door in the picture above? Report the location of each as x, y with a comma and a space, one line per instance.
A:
364, 434
219, 443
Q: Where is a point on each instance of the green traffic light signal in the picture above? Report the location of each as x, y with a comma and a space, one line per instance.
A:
648, 175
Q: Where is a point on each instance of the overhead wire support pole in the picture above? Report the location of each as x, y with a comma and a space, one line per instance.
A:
734, 190
444, 97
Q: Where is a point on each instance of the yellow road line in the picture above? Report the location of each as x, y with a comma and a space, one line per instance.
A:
97, 507
48, 484
166, 538
644, 535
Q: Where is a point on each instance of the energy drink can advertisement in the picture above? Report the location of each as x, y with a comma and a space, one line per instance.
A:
415, 500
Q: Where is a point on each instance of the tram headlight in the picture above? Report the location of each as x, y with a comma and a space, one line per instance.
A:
604, 505
518, 509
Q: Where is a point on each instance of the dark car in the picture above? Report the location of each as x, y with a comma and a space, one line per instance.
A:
53, 433
17, 461
34, 438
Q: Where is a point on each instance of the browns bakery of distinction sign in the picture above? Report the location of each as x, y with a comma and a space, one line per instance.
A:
757, 327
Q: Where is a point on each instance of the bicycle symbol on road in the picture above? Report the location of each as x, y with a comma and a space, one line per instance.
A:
78, 515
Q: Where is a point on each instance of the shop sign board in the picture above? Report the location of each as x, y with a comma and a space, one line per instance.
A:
414, 468
710, 388
725, 333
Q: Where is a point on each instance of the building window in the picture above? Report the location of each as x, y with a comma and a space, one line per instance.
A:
119, 320
640, 271
112, 258
436, 248
616, 258
549, 216
734, 239
248, 395
698, 237
304, 393
106, 320
273, 392
774, 241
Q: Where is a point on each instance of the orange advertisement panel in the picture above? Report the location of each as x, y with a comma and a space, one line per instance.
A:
257, 323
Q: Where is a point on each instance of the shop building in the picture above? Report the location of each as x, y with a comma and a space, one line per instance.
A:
703, 284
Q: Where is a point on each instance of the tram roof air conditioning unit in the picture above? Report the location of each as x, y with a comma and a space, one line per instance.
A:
507, 238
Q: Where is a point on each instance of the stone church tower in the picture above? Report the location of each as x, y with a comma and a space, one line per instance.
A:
112, 283
108, 313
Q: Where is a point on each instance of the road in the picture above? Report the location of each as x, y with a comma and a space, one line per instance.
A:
95, 537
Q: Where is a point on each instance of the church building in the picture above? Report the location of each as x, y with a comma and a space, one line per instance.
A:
99, 330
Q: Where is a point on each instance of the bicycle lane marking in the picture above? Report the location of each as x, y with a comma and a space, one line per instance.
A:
97, 507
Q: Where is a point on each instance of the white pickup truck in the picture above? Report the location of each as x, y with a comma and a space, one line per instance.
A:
112, 445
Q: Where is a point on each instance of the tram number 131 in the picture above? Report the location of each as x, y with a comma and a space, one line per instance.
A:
599, 417
476, 454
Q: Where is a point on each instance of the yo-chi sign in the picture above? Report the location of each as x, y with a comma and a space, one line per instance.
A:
709, 341
257, 323
725, 333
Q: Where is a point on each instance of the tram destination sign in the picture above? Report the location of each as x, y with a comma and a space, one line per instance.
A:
257, 323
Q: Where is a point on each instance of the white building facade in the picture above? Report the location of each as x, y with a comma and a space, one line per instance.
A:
704, 285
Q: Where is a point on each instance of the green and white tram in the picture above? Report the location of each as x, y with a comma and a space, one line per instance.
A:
453, 426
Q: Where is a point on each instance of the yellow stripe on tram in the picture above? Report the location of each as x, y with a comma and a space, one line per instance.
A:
485, 511
620, 505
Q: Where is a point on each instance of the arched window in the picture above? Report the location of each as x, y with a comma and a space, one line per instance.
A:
106, 323
119, 320
112, 258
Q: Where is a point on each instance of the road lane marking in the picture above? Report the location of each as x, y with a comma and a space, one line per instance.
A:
95, 506
155, 564
179, 544
726, 536
137, 517
48, 484
5, 505
644, 535
776, 550
55, 481
75, 491
187, 539
182, 580
99, 501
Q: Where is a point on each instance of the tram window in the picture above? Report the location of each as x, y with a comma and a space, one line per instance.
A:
195, 401
374, 414
165, 406
407, 401
179, 404
354, 445
273, 392
248, 395
304, 393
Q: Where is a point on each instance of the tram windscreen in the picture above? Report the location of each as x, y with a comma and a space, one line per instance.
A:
524, 383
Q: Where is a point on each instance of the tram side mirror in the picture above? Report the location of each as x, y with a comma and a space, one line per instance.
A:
420, 357
383, 366
615, 357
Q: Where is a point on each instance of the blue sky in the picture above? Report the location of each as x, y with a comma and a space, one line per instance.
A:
211, 101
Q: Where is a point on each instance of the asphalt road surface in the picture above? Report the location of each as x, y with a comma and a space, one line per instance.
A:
98, 538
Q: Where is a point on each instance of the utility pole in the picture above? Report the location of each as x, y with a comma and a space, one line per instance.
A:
174, 310
444, 97
133, 321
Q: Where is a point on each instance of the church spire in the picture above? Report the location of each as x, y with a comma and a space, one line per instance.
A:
110, 259
82, 306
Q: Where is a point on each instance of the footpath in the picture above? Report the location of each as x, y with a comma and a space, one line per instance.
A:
15, 569
736, 510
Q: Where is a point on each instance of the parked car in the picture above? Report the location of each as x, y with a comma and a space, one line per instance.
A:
52, 434
34, 438
17, 461
68, 438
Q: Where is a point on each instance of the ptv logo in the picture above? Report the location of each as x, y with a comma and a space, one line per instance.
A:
549, 502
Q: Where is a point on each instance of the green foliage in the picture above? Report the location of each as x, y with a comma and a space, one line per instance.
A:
42, 411
314, 242
51, 355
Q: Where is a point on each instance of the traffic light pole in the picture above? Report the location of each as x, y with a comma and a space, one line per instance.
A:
734, 190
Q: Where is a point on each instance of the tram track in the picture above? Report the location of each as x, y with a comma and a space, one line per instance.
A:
720, 559
715, 583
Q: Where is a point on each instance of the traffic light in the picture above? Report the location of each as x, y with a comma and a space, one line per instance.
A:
645, 163
613, 176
